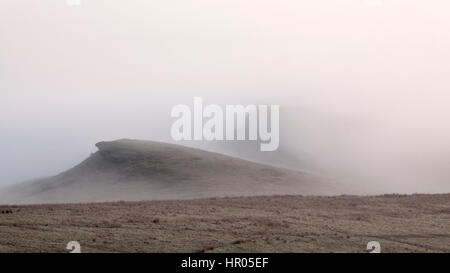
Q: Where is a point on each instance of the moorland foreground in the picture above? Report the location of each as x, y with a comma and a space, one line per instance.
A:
413, 223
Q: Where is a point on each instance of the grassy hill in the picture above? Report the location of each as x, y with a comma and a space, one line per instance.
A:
134, 170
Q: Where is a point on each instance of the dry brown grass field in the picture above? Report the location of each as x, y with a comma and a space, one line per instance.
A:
414, 223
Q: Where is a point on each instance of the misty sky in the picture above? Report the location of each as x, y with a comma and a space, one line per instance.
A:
364, 85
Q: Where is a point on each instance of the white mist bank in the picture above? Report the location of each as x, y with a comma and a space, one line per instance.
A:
362, 88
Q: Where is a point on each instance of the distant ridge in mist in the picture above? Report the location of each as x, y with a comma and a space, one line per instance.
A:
134, 170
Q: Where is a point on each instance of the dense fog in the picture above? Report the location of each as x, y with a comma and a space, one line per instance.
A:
363, 86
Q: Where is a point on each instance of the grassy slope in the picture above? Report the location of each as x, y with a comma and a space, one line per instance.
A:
417, 223
133, 170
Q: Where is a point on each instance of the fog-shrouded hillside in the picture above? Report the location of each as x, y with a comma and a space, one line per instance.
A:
134, 170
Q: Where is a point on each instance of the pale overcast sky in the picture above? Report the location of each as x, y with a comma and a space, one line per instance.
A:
364, 84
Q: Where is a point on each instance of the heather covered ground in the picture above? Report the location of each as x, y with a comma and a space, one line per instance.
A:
413, 223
